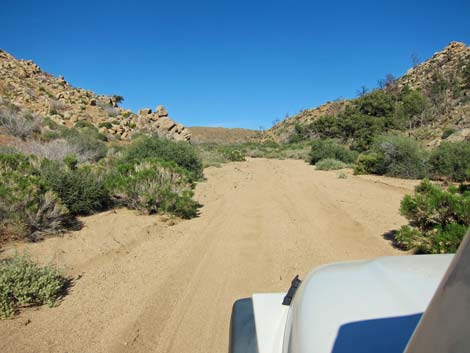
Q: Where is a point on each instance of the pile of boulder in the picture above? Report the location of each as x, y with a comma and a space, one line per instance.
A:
24, 84
160, 123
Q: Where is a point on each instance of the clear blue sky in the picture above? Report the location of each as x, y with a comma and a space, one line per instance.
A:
229, 63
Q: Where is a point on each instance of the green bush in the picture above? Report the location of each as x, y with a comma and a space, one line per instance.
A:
181, 153
330, 164
370, 163
235, 155
28, 208
82, 190
84, 124
50, 135
105, 124
23, 283
451, 161
447, 132
152, 186
377, 103
395, 156
299, 134
323, 149
440, 218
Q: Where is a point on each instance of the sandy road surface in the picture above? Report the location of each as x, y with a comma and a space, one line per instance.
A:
146, 285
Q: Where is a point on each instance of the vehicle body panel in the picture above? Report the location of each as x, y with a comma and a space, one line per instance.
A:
360, 306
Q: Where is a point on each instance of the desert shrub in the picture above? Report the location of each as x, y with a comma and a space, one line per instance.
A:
84, 124
299, 134
323, 149
152, 186
447, 132
55, 150
330, 164
56, 106
28, 208
112, 111
181, 153
87, 145
23, 283
342, 175
396, 156
49, 136
105, 124
51, 124
236, 156
370, 163
82, 189
18, 123
451, 161
439, 218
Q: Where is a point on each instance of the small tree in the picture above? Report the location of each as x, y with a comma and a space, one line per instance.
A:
118, 99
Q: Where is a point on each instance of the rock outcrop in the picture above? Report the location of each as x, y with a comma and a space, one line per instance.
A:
24, 84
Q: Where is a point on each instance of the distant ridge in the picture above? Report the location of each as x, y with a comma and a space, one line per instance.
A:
201, 134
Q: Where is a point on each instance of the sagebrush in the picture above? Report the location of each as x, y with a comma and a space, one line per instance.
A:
24, 283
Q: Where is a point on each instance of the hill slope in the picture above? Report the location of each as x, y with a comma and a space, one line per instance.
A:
24, 86
221, 135
443, 81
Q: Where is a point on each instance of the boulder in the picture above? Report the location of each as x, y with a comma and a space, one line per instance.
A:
161, 111
165, 124
145, 111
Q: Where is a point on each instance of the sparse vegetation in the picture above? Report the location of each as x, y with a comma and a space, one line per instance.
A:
23, 283
217, 154
439, 218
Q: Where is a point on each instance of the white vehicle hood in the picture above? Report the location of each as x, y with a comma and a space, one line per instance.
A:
364, 307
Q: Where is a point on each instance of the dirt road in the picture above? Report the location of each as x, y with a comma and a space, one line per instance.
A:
143, 284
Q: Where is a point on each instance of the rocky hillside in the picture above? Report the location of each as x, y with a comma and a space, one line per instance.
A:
443, 80
25, 86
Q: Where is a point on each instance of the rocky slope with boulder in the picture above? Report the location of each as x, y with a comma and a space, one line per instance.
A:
444, 80
25, 86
